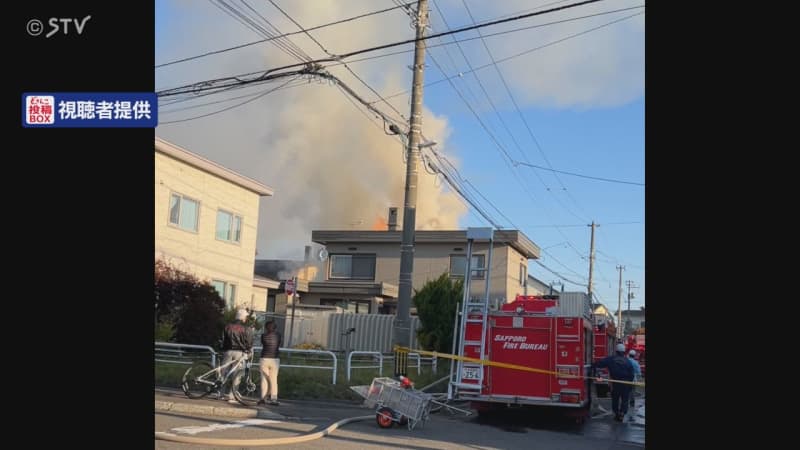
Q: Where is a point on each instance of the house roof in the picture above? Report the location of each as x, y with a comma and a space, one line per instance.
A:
195, 160
264, 282
536, 280
514, 238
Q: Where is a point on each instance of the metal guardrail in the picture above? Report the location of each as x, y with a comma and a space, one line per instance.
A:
433, 361
350, 366
416, 356
174, 353
332, 368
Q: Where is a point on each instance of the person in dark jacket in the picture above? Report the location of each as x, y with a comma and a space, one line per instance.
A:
237, 340
271, 342
621, 369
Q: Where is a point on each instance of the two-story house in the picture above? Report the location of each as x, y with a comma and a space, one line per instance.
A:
362, 267
632, 319
206, 217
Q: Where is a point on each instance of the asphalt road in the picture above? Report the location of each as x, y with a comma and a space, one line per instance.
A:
509, 430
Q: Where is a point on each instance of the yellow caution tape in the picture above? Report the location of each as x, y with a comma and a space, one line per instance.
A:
486, 362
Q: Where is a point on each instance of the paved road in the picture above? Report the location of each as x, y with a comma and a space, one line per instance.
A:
511, 430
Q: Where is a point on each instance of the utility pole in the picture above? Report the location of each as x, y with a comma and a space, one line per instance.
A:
294, 301
630, 285
402, 321
619, 304
591, 259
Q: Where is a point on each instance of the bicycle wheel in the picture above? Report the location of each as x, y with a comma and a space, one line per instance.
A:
248, 392
194, 387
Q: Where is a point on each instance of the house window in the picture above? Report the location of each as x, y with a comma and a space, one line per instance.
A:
458, 266
229, 226
352, 267
349, 306
227, 291
523, 274
271, 303
183, 212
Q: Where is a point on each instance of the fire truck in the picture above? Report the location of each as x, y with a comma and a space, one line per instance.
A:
635, 341
605, 339
553, 333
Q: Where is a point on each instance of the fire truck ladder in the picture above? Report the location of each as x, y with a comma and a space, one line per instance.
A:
468, 305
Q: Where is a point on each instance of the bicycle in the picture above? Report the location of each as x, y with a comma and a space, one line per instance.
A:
211, 380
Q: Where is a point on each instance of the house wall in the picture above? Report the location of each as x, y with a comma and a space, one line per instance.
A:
432, 260
201, 252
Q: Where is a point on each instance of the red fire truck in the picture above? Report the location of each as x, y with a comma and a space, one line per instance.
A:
605, 339
635, 341
549, 332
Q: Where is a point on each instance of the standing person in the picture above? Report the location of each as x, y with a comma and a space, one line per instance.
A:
637, 372
237, 340
271, 342
620, 369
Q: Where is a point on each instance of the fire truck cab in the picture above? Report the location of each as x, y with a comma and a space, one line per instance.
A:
542, 332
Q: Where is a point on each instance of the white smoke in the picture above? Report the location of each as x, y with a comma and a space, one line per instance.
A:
330, 167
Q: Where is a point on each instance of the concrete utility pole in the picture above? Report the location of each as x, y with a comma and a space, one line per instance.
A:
591, 259
402, 321
619, 303
630, 285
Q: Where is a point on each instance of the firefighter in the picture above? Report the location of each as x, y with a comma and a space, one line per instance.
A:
621, 369
637, 372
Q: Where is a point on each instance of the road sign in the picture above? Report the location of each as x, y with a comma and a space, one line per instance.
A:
289, 287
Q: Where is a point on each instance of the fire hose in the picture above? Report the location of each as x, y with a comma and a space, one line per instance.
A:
259, 442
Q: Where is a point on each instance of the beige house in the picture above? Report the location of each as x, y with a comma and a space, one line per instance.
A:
206, 219
362, 268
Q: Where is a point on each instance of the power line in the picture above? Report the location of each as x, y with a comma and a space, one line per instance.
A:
519, 113
531, 50
338, 58
491, 103
332, 55
499, 146
558, 274
161, 111
230, 107
580, 225
520, 163
215, 52
251, 22
446, 44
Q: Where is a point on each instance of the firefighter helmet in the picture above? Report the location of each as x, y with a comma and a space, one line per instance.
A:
621, 348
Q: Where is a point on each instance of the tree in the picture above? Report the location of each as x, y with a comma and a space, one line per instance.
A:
436, 307
190, 306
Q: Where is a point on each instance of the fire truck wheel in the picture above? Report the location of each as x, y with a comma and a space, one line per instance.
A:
384, 417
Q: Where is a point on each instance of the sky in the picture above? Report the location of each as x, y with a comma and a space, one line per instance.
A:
579, 86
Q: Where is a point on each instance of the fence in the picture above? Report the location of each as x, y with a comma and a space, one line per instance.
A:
173, 353
374, 355
332, 367
372, 332
176, 353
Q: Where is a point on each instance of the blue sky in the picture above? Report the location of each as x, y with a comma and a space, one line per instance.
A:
582, 98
